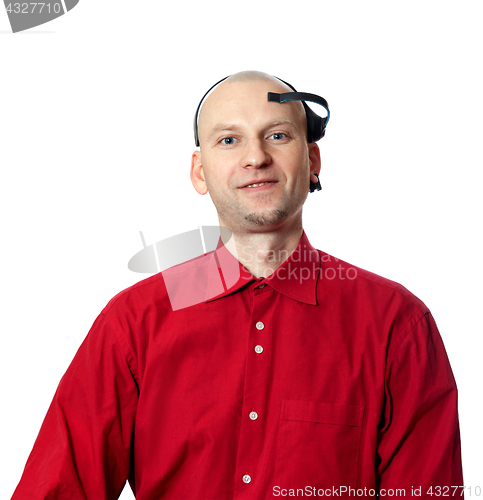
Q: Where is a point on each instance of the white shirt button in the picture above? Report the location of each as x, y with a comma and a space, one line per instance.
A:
246, 478
258, 349
260, 325
262, 285
253, 415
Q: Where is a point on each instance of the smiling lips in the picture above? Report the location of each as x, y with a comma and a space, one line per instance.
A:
258, 184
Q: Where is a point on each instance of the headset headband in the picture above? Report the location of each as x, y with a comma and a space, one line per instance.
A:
315, 124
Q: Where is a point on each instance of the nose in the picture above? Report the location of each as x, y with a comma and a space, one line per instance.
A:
255, 154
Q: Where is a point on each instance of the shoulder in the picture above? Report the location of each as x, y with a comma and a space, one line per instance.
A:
350, 278
150, 290
157, 292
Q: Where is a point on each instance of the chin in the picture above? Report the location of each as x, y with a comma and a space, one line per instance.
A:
266, 218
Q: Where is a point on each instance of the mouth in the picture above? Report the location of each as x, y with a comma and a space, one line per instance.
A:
260, 184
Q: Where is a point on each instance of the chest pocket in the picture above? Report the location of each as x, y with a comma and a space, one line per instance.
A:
318, 444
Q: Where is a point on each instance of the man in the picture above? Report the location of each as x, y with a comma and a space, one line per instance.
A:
304, 376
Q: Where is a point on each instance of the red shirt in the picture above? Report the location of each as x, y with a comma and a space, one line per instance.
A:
321, 377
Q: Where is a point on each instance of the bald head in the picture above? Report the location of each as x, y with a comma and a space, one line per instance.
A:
254, 76
237, 90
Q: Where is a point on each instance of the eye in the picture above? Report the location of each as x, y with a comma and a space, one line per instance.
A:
228, 141
278, 136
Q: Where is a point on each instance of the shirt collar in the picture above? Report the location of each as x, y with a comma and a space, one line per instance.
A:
295, 278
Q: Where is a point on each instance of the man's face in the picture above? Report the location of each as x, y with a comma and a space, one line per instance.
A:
247, 140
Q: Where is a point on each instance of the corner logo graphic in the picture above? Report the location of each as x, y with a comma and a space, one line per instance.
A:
26, 15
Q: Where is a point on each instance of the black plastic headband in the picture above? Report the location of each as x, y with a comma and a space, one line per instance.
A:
315, 124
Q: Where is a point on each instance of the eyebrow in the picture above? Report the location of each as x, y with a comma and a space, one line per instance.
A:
232, 126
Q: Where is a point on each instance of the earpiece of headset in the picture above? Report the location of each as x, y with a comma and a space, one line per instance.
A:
315, 124
315, 186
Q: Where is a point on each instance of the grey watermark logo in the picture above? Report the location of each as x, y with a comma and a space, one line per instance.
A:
195, 265
26, 15
177, 249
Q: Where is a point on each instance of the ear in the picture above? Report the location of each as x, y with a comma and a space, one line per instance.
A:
314, 159
196, 173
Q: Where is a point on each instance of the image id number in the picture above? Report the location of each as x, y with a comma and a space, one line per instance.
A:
31, 8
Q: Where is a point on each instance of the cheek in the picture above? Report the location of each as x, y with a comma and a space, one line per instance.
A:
299, 167
220, 171
216, 178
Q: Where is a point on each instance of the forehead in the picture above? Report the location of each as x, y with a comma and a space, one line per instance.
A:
246, 104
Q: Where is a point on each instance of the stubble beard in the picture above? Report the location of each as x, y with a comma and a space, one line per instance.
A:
239, 216
234, 215
262, 219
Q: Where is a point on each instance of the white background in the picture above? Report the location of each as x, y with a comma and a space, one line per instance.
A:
96, 113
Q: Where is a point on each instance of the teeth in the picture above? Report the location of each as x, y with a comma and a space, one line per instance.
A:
256, 185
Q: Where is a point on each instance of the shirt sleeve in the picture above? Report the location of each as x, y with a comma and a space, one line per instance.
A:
83, 449
419, 442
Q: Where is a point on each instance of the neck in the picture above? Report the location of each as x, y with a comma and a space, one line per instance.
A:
262, 253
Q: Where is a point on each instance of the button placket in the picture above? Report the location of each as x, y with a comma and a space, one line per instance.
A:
255, 391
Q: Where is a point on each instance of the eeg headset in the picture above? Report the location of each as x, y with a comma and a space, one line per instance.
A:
315, 124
